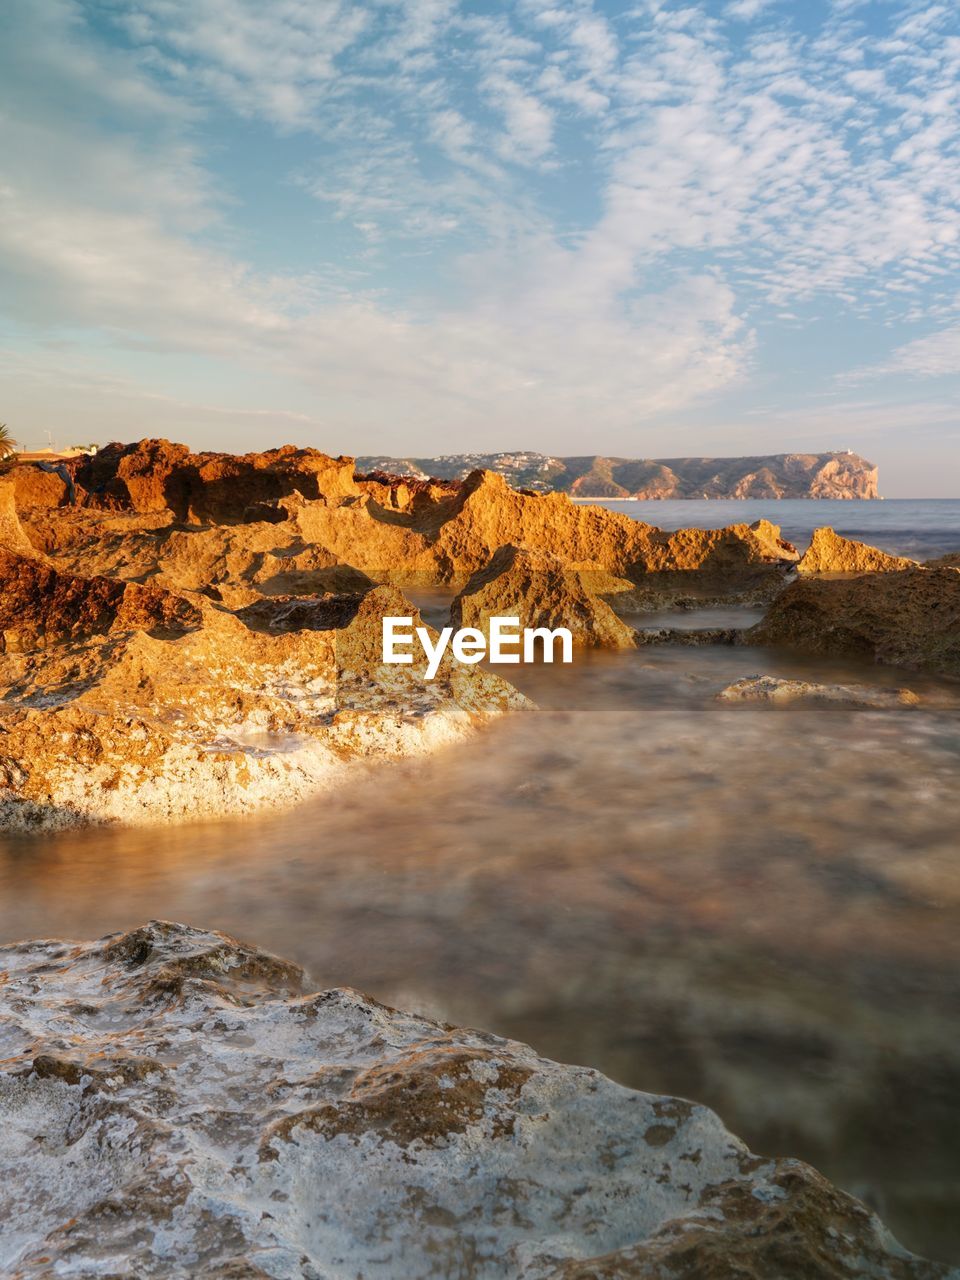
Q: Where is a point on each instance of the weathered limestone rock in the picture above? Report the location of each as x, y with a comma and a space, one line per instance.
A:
536, 588
488, 514
771, 689
44, 486
12, 535
40, 606
908, 619
830, 553
154, 475
172, 1102
144, 706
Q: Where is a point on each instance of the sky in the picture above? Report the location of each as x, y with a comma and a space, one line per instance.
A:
657, 228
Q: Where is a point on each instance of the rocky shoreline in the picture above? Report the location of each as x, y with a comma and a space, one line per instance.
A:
188, 634
174, 1102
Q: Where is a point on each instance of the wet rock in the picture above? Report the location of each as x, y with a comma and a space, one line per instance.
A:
536, 588
172, 1102
771, 689
909, 619
830, 553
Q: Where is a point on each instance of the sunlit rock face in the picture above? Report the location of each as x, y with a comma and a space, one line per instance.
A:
173, 1103
538, 590
830, 553
124, 702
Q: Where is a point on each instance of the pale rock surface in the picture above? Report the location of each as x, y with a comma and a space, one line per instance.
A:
829, 552
771, 689
173, 1104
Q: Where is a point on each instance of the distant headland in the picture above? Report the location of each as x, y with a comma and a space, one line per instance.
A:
839, 474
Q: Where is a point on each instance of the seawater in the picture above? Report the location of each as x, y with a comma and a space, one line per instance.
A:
922, 529
757, 907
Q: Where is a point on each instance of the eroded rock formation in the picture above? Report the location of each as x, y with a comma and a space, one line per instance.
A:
909, 619
122, 702
540, 591
772, 689
173, 1102
830, 553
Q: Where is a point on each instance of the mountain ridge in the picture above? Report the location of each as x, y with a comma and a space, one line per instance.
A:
837, 474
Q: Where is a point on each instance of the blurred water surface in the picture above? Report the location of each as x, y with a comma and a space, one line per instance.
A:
754, 906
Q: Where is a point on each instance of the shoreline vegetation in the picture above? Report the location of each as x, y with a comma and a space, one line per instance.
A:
188, 635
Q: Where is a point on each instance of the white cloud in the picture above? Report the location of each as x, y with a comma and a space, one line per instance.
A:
936, 355
728, 170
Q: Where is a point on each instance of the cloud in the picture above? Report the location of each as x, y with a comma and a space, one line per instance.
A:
936, 355
551, 214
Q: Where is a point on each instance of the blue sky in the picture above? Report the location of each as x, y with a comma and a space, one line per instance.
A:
423, 226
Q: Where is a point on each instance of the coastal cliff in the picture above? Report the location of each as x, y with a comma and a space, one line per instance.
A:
782, 475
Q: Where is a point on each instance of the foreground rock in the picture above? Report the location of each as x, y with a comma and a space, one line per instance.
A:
172, 1103
830, 553
537, 589
908, 619
771, 689
121, 702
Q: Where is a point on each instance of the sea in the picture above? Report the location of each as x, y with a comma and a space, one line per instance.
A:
920, 528
757, 907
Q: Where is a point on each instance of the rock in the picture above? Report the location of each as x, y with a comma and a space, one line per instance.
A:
154, 475
43, 485
909, 619
173, 1102
40, 606
488, 514
148, 707
771, 689
12, 535
536, 588
830, 553
950, 561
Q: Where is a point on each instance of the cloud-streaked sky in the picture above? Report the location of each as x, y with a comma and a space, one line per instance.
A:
421, 226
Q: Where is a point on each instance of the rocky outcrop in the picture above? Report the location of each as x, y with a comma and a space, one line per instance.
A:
830, 553
173, 1101
783, 475
537, 589
950, 561
488, 514
909, 619
156, 475
771, 689
12, 535
127, 703
40, 606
